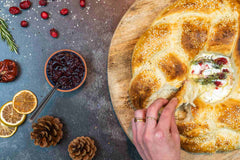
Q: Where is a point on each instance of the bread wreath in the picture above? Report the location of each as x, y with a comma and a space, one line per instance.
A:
187, 35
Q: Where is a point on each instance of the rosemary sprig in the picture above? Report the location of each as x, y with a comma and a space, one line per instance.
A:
202, 61
214, 64
6, 36
210, 79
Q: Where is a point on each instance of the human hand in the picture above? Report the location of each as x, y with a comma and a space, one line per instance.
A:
157, 140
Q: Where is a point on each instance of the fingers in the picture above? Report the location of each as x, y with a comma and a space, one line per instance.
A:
152, 113
134, 132
135, 142
174, 131
167, 114
140, 125
139, 128
151, 122
141, 113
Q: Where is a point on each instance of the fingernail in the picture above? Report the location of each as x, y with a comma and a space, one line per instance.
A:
175, 99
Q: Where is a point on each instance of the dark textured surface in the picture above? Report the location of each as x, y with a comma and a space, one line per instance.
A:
85, 112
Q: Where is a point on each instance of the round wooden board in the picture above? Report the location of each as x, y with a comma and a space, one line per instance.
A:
134, 23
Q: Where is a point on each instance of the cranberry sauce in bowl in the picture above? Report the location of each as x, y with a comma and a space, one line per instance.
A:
67, 69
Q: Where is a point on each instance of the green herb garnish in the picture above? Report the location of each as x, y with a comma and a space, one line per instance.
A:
201, 61
217, 66
6, 36
210, 79
214, 64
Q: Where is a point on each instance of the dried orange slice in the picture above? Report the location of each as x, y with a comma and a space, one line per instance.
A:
6, 131
10, 117
24, 102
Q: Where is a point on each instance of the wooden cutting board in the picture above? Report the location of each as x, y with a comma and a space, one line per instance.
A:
133, 24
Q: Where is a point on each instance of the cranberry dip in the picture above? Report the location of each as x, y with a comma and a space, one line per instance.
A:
66, 69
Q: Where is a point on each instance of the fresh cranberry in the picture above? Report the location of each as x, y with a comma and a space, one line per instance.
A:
200, 63
64, 11
192, 71
14, 10
25, 4
54, 33
218, 83
82, 3
44, 15
221, 61
24, 23
226, 70
207, 66
42, 2
222, 76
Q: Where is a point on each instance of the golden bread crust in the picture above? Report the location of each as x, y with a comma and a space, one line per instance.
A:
142, 87
194, 36
200, 6
160, 68
222, 39
151, 42
228, 114
172, 67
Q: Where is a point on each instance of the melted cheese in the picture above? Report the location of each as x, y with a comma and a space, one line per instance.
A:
211, 93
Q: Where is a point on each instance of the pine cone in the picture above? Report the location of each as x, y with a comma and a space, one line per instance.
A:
82, 148
47, 131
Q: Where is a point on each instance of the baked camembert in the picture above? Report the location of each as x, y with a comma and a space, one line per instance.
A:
213, 75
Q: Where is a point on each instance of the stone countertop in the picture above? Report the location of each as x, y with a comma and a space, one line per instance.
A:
85, 112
